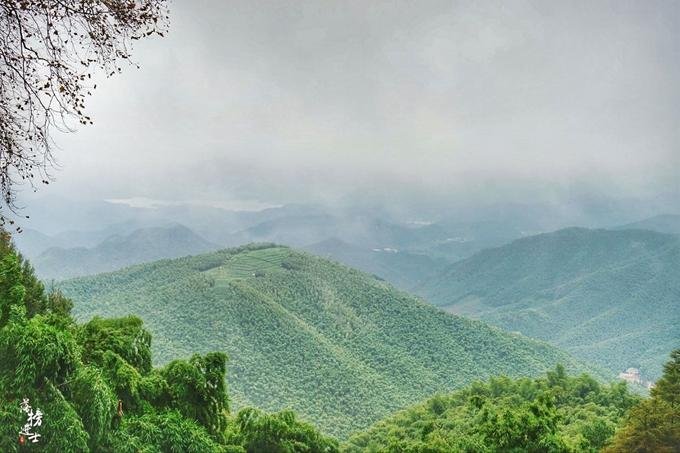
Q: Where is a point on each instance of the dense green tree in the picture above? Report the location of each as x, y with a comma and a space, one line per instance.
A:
33, 351
279, 433
653, 426
556, 413
197, 390
16, 272
668, 387
94, 401
123, 336
11, 290
530, 427
167, 431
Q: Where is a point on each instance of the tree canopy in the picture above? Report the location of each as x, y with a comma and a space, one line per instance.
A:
554, 413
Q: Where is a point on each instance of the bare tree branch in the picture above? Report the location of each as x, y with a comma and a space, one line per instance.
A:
49, 51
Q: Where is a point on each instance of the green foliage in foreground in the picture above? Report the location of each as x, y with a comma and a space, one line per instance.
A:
98, 391
340, 347
653, 426
555, 413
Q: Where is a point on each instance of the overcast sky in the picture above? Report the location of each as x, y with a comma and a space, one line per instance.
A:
295, 101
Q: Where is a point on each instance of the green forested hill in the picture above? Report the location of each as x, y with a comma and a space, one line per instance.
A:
339, 346
609, 297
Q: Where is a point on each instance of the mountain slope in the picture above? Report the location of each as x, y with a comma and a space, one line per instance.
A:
610, 297
339, 346
142, 245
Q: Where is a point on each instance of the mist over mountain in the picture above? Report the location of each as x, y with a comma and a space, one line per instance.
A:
118, 251
401, 243
55, 216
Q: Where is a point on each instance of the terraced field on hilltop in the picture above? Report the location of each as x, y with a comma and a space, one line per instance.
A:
248, 264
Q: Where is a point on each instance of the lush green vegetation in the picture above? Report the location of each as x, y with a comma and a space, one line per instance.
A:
97, 390
340, 347
554, 413
654, 424
608, 297
146, 244
96, 387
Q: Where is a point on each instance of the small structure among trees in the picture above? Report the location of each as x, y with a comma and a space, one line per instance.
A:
631, 375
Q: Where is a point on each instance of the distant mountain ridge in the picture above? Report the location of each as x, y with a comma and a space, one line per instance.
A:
403, 269
447, 234
609, 297
665, 223
337, 345
115, 252
423, 247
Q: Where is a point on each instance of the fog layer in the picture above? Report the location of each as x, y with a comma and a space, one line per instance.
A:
278, 102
